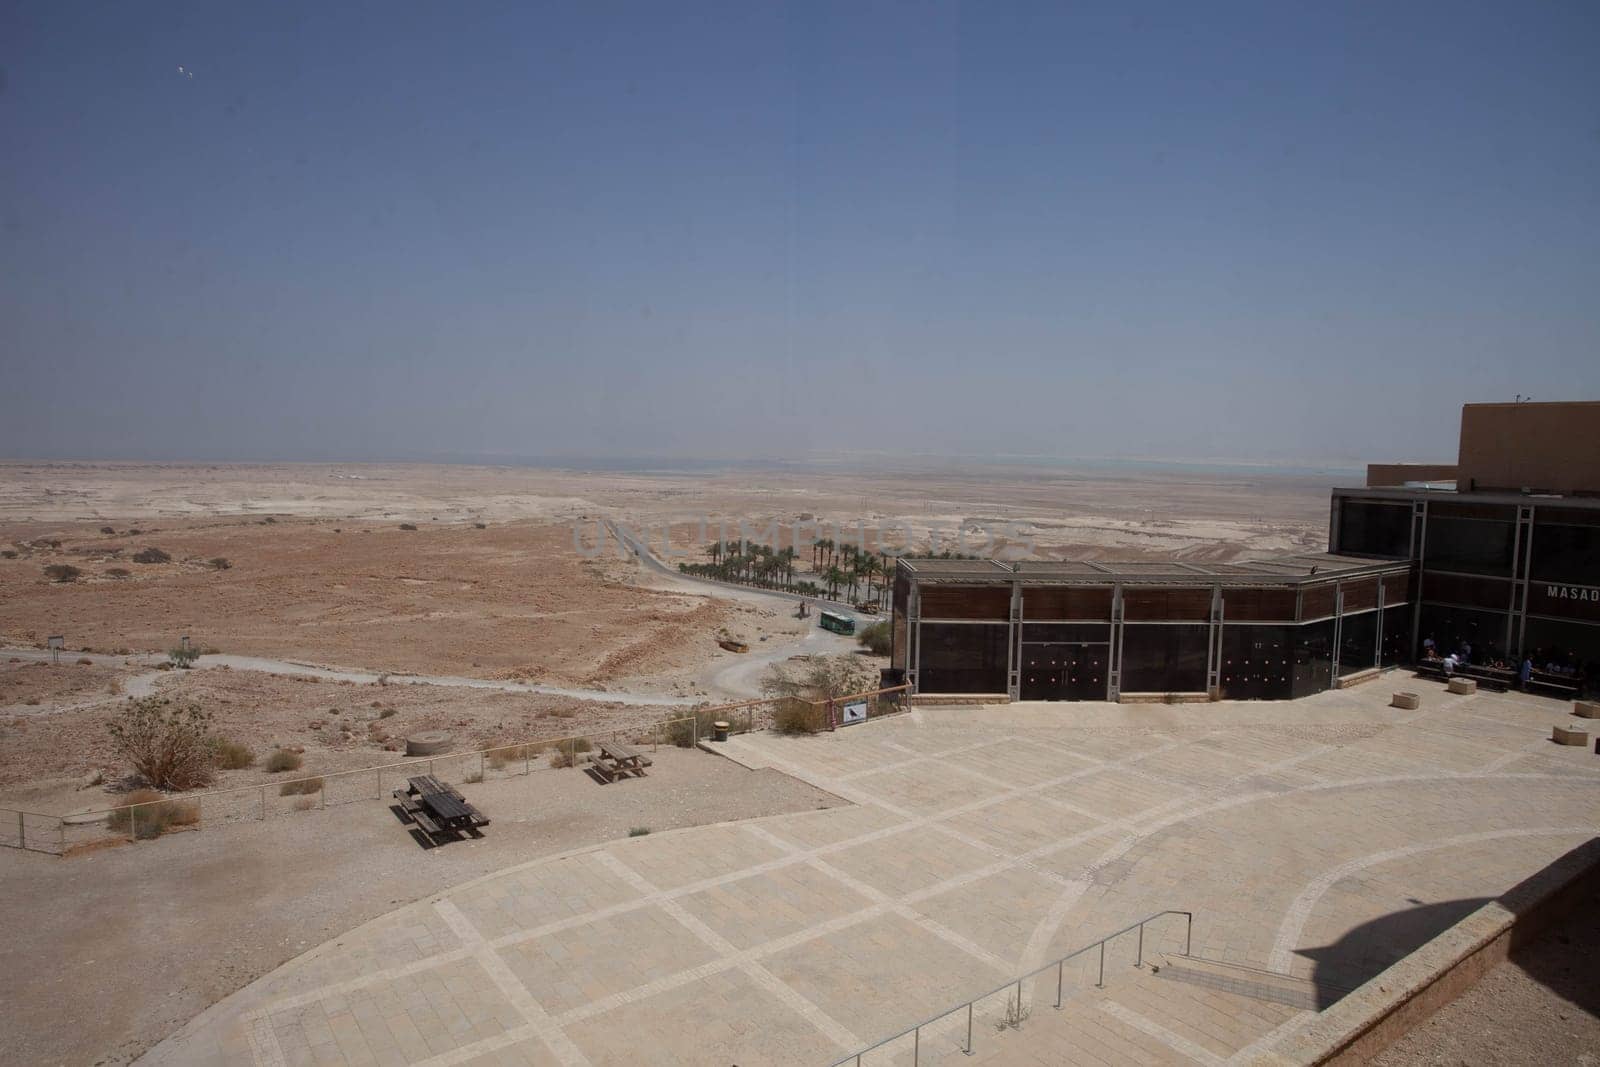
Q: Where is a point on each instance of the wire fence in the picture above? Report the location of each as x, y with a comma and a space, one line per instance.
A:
283, 797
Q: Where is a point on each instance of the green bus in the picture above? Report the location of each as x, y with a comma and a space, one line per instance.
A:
839, 624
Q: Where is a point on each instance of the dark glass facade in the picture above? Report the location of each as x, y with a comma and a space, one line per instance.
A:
1358, 642
1469, 545
1375, 528
1313, 658
1164, 658
1566, 547
963, 658
1257, 662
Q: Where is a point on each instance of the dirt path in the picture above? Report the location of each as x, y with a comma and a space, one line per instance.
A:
123, 947
340, 674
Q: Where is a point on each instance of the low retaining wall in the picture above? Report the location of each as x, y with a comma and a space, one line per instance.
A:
934, 700
1164, 698
1387, 1007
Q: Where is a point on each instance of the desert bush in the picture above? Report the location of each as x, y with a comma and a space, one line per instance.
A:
107, 530
8, 553
304, 804
500, 758
300, 787
638, 831
562, 758
62, 572
151, 555
822, 678
480, 526
268, 521
682, 732
167, 741
233, 756
472, 779
85, 661
877, 638
387, 713
219, 563
183, 657
284, 760
149, 815
118, 572
795, 716
408, 526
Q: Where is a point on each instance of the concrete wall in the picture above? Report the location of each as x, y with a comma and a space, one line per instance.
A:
1381, 474
1547, 447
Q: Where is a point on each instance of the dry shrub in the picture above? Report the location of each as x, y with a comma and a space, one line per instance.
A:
219, 563
118, 572
233, 756
62, 572
283, 760
561, 758
149, 815
85, 661
304, 804
473, 779
639, 831
563, 713
795, 716
878, 638
167, 741
500, 758
107, 530
408, 526
300, 787
387, 712
682, 732
151, 555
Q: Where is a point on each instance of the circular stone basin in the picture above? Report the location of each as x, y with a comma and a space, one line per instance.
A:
428, 743
85, 818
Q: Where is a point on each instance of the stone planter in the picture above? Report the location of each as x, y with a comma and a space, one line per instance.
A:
1586, 709
1462, 686
1408, 701
1565, 736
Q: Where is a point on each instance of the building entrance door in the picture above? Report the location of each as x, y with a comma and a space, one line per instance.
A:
1060, 670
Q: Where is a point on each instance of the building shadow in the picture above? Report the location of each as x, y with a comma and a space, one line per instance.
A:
1556, 939
1371, 948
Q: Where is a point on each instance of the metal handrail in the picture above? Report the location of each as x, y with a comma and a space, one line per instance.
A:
1060, 966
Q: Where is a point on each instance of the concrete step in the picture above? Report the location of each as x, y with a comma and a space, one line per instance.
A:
1254, 982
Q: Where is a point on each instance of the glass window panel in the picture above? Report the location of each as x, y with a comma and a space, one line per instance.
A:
1396, 635
1564, 553
1367, 528
959, 658
1476, 546
1164, 659
1358, 642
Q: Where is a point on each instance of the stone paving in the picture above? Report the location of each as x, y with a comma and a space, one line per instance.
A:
1318, 840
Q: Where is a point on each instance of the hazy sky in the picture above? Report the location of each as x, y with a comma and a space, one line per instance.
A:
1263, 231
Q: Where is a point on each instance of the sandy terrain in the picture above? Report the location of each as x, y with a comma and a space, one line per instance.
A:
503, 579
114, 956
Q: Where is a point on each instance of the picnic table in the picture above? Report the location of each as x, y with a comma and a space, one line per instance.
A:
616, 760
437, 808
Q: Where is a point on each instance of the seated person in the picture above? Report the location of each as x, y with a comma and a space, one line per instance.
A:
1450, 664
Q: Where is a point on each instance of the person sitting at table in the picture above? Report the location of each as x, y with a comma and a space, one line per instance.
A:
1428, 651
1525, 673
1466, 652
1450, 664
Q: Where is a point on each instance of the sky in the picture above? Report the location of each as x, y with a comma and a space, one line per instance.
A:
1269, 232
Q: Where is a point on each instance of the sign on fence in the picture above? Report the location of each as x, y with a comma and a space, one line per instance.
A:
854, 712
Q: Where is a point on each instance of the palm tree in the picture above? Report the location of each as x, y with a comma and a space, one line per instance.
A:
833, 578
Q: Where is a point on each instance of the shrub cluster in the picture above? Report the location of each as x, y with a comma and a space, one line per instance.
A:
167, 741
284, 760
300, 787
62, 572
877, 638
149, 815
151, 555
233, 756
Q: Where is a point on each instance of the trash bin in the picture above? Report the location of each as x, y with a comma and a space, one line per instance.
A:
719, 731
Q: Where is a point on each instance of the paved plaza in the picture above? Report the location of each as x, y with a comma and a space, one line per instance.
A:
1315, 842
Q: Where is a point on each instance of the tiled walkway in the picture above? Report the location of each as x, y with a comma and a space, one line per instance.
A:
1320, 839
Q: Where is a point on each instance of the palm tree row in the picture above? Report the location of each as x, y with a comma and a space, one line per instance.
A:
841, 568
